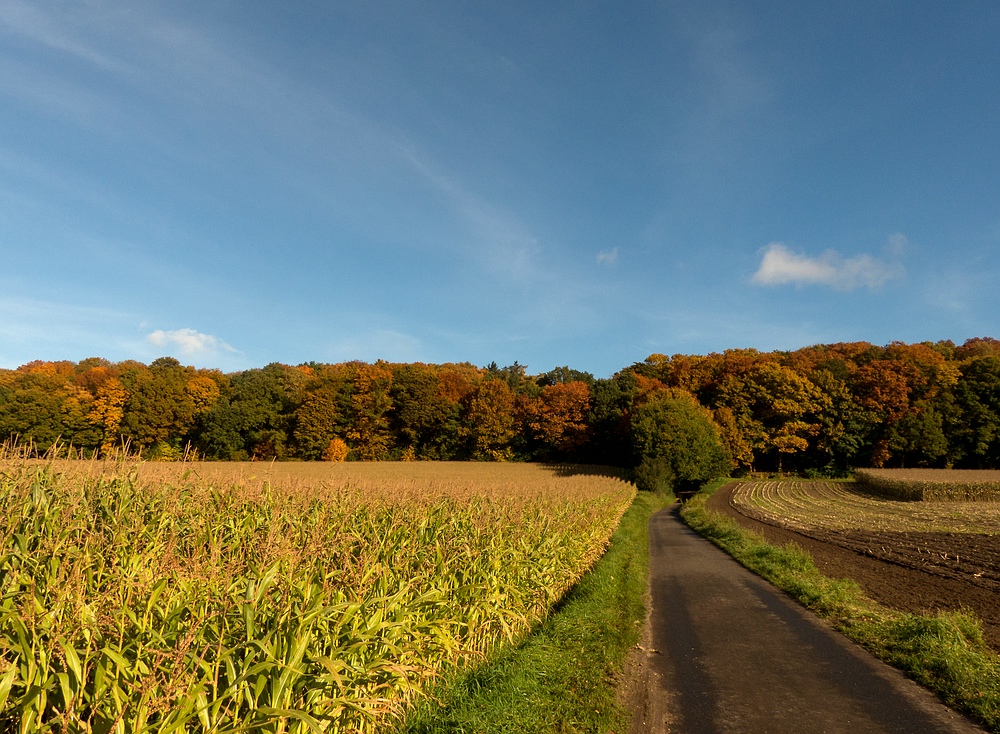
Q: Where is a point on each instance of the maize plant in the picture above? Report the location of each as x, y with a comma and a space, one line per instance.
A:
134, 602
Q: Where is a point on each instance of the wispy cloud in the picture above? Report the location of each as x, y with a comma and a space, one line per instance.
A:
731, 80
782, 266
503, 240
27, 19
729, 90
173, 66
189, 342
608, 257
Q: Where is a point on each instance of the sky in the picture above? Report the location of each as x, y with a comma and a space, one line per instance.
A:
561, 183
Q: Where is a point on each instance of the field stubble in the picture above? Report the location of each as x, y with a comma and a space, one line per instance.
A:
282, 597
946, 538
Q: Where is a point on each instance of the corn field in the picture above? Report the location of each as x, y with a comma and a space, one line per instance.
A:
955, 485
196, 598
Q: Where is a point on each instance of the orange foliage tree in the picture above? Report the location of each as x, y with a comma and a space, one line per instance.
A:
557, 419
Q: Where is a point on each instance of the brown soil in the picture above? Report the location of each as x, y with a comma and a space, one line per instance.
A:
915, 572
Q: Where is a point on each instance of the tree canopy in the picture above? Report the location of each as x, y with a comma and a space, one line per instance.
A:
822, 408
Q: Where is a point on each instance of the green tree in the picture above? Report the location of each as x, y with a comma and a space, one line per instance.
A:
254, 418
369, 432
563, 375
424, 417
30, 410
976, 431
488, 421
676, 445
918, 437
845, 426
515, 375
611, 404
317, 422
159, 409
219, 435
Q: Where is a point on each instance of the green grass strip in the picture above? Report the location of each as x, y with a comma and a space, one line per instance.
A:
944, 652
562, 678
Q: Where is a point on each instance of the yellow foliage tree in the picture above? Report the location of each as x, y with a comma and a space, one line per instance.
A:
204, 392
336, 450
107, 412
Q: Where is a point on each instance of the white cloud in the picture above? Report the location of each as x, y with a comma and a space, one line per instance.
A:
188, 341
781, 266
608, 257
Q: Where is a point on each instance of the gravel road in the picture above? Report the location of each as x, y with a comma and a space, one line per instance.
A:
726, 652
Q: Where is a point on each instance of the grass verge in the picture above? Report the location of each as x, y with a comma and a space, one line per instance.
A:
562, 678
944, 652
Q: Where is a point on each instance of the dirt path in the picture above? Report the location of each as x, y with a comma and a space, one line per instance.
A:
726, 652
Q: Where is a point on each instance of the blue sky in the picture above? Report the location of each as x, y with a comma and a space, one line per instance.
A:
578, 183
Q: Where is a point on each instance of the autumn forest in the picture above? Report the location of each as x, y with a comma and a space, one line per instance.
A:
822, 409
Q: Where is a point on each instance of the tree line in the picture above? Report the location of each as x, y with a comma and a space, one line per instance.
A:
824, 408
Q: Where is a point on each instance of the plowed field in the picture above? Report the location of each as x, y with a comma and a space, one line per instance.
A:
916, 556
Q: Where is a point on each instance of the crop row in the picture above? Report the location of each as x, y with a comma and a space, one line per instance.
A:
931, 484
807, 505
132, 606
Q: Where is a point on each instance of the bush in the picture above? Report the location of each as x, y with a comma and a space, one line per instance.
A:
654, 474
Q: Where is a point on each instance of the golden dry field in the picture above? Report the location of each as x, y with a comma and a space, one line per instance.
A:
175, 597
377, 481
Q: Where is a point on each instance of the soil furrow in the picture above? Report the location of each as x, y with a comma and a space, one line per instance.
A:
911, 571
